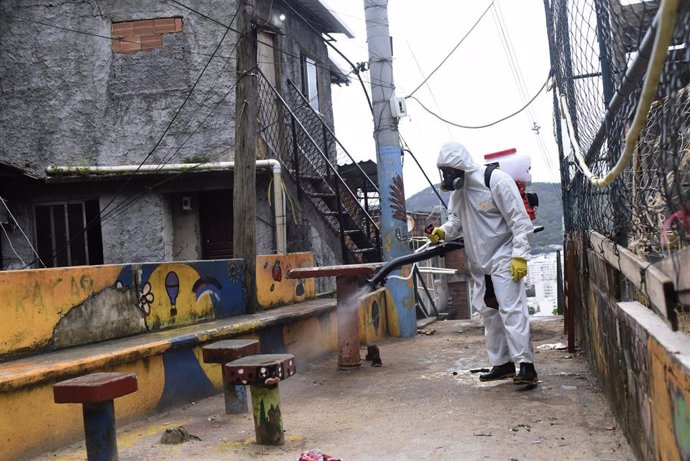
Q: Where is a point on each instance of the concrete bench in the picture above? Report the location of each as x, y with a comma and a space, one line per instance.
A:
96, 392
262, 373
226, 351
169, 366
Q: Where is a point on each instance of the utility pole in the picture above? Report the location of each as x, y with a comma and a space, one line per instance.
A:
244, 187
389, 159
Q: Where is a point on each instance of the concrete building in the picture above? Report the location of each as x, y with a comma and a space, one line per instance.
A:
118, 117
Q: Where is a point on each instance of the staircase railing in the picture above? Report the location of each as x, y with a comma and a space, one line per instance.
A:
312, 165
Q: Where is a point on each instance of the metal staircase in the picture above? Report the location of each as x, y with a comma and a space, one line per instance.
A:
307, 148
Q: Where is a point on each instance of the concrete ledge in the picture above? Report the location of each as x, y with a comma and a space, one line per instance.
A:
676, 343
168, 364
27, 372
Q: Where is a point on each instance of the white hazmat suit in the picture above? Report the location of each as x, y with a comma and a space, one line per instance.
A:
496, 228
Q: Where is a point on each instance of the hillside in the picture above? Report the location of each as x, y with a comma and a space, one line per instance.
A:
549, 212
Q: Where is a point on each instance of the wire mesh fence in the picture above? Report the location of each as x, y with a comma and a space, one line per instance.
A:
599, 52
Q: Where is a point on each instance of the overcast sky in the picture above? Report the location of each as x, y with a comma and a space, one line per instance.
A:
477, 85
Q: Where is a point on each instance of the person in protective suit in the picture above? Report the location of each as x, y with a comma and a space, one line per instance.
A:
496, 230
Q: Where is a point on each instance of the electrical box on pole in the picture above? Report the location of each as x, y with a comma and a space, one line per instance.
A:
398, 107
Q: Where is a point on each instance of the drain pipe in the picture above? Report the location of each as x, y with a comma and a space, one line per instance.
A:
274, 165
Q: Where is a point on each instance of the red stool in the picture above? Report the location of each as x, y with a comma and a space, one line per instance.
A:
96, 393
226, 351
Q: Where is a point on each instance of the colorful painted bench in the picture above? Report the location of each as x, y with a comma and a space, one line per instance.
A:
169, 366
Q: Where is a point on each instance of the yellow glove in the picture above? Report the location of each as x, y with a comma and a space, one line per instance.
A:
436, 235
518, 268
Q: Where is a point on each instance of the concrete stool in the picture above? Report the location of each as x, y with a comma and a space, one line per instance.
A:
96, 393
263, 373
226, 351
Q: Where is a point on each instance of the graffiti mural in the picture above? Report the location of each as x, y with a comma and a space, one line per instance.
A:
373, 325
272, 285
51, 309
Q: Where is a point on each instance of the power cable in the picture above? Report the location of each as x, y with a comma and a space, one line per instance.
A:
197, 127
470, 127
428, 87
520, 84
91, 34
334, 48
270, 45
10, 242
203, 100
16, 223
160, 139
453, 50
409, 151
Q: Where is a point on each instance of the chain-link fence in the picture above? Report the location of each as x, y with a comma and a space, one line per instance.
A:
599, 52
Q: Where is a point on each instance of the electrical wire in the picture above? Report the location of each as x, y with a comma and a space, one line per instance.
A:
103, 214
11, 246
516, 71
16, 223
334, 48
453, 50
149, 154
180, 5
470, 127
428, 87
91, 34
409, 151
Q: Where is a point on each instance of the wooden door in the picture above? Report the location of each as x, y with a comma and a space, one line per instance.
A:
215, 220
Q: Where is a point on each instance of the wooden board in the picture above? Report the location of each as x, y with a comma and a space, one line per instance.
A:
673, 267
656, 285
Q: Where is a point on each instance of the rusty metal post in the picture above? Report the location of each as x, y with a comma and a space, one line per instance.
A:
571, 274
348, 322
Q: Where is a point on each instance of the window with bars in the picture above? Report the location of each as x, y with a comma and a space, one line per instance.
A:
60, 236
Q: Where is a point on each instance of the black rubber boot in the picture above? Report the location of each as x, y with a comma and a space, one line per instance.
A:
527, 375
507, 370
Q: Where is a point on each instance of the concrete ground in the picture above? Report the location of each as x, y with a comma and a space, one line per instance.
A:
422, 404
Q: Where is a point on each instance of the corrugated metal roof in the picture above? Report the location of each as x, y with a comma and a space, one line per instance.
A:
320, 17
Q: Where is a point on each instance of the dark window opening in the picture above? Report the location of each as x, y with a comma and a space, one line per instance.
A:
60, 236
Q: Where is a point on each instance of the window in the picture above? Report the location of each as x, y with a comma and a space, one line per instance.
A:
310, 87
60, 237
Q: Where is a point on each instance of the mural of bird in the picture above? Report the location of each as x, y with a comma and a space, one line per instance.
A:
397, 197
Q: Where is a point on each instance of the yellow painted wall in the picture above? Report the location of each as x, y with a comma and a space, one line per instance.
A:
373, 321
33, 301
187, 306
31, 423
311, 338
670, 392
272, 285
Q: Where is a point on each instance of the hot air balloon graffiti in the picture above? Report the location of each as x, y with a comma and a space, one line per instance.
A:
172, 286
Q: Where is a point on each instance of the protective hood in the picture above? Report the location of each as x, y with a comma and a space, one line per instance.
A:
454, 155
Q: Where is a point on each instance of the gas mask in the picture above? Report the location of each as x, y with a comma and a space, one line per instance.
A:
453, 179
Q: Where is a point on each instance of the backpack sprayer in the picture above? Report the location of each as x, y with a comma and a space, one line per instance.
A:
518, 167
